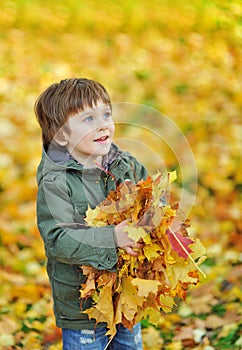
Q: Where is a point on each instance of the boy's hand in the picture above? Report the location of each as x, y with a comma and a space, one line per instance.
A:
123, 241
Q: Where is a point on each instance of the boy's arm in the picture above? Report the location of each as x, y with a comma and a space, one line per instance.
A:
81, 246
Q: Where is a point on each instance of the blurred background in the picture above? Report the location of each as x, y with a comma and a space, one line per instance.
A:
181, 58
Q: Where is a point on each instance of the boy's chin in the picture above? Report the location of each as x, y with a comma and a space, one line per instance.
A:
103, 150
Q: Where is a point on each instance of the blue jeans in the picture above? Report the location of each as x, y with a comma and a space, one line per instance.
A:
97, 340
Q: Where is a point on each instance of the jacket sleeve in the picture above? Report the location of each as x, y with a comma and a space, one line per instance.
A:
73, 244
141, 171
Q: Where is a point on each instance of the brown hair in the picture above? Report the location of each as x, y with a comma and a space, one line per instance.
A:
60, 100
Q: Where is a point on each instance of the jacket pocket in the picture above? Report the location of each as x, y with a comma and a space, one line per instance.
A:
69, 274
66, 284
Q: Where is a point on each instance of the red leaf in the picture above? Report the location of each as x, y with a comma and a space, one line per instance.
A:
178, 241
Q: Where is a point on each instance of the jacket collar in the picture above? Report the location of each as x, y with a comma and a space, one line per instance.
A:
56, 158
59, 155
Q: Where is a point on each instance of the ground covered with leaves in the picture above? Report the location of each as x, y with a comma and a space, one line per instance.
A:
180, 58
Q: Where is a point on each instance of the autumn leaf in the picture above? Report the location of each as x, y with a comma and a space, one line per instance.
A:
135, 233
152, 251
180, 243
103, 310
201, 40
146, 286
167, 303
89, 285
130, 300
156, 276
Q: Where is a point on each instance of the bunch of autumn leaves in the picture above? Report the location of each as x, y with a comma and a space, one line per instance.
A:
165, 268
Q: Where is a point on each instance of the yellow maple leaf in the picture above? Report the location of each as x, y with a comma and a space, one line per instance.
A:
130, 293
198, 251
92, 217
166, 303
178, 273
136, 232
172, 176
146, 286
128, 303
152, 251
103, 311
150, 313
147, 239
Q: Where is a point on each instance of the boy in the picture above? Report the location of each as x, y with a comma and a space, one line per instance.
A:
79, 167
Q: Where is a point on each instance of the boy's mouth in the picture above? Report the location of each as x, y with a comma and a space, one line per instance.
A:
102, 139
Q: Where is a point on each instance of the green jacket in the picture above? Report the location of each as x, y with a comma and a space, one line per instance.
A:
65, 190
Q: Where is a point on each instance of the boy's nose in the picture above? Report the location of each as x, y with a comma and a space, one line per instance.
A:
102, 124
103, 128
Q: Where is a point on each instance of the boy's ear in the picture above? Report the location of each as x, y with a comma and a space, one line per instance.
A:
60, 138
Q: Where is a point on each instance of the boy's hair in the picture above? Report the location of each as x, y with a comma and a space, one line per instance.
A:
60, 100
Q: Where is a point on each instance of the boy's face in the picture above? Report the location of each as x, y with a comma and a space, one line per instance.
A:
90, 134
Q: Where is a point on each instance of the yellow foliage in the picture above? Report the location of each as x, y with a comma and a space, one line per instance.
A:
151, 283
180, 57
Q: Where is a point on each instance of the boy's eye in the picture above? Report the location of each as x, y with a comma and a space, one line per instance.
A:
107, 115
88, 119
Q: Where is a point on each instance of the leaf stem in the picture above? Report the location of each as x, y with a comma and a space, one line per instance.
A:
185, 250
106, 347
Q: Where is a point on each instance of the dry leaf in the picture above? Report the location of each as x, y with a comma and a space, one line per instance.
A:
164, 269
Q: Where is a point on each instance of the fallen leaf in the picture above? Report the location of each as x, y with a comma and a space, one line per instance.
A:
180, 243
